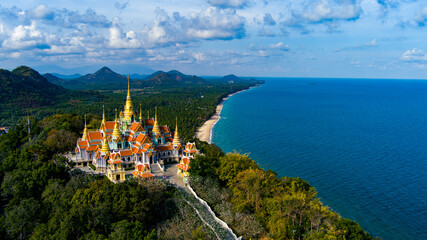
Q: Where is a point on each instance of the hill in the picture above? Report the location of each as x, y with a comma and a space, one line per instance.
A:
231, 77
103, 75
172, 78
24, 87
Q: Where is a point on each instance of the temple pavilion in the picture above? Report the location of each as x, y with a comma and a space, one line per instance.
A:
132, 142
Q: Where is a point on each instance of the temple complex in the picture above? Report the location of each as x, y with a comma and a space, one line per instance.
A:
130, 141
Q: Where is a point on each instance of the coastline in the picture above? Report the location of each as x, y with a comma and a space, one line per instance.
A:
204, 133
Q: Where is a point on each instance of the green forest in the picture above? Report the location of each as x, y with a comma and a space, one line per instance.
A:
43, 197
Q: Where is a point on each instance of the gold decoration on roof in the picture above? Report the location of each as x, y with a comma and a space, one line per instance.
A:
140, 113
156, 128
116, 131
105, 147
128, 113
85, 131
103, 115
176, 140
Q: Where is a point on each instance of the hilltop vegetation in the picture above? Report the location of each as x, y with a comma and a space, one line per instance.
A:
259, 204
191, 103
42, 198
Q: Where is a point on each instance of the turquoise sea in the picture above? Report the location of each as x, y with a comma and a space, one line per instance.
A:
361, 142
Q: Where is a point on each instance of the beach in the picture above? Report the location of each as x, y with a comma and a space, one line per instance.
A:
204, 133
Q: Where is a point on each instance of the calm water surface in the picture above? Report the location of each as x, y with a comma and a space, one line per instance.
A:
361, 143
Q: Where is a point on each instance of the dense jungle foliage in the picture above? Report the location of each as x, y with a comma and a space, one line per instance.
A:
259, 204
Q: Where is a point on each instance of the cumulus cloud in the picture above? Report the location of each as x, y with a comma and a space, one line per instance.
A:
67, 18
327, 12
121, 6
273, 49
210, 24
229, 3
25, 37
421, 19
268, 20
120, 40
414, 55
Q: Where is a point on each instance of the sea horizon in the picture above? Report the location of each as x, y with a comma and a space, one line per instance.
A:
359, 142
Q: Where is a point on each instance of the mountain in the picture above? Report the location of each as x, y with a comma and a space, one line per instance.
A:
25, 87
65, 77
119, 68
54, 79
103, 75
231, 77
169, 79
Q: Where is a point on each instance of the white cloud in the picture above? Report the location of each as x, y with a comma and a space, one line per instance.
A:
209, 24
371, 43
229, 3
414, 55
23, 37
120, 40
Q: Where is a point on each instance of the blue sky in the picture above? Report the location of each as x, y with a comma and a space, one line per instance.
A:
320, 38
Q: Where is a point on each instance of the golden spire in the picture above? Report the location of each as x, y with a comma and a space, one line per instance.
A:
176, 140
148, 114
128, 96
105, 148
85, 130
156, 125
116, 131
103, 116
140, 113
128, 107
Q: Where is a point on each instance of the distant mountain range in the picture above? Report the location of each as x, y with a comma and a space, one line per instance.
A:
123, 69
25, 87
105, 78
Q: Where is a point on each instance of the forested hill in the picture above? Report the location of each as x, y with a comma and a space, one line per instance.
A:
172, 78
103, 75
25, 87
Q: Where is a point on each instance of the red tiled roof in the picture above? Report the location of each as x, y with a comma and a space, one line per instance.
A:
110, 125
136, 126
92, 148
190, 151
165, 129
114, 161
186, 160
164, 148
149, 122
183, 167
82, 143
95, 136
125, 153
140, 138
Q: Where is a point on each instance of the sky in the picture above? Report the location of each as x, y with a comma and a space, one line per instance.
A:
275, 38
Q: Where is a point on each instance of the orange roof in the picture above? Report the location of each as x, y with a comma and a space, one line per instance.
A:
140, 137
190, 151
109, 125
136, 127
95, 136
125, 153
149, 122
183, 167
143, 167
114, 161
143, 175
146, 147
164, 148
186, 160
92, 148
82, 143
164, 128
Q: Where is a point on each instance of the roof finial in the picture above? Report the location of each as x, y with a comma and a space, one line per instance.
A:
140, 113
176, 141
85, 130
103, 114
156, 125
128, 88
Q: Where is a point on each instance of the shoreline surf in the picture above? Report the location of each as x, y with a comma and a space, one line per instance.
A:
204, 133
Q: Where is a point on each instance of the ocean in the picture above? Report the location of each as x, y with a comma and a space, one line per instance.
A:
362, 143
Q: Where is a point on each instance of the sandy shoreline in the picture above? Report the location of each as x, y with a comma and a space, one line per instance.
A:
204, 133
